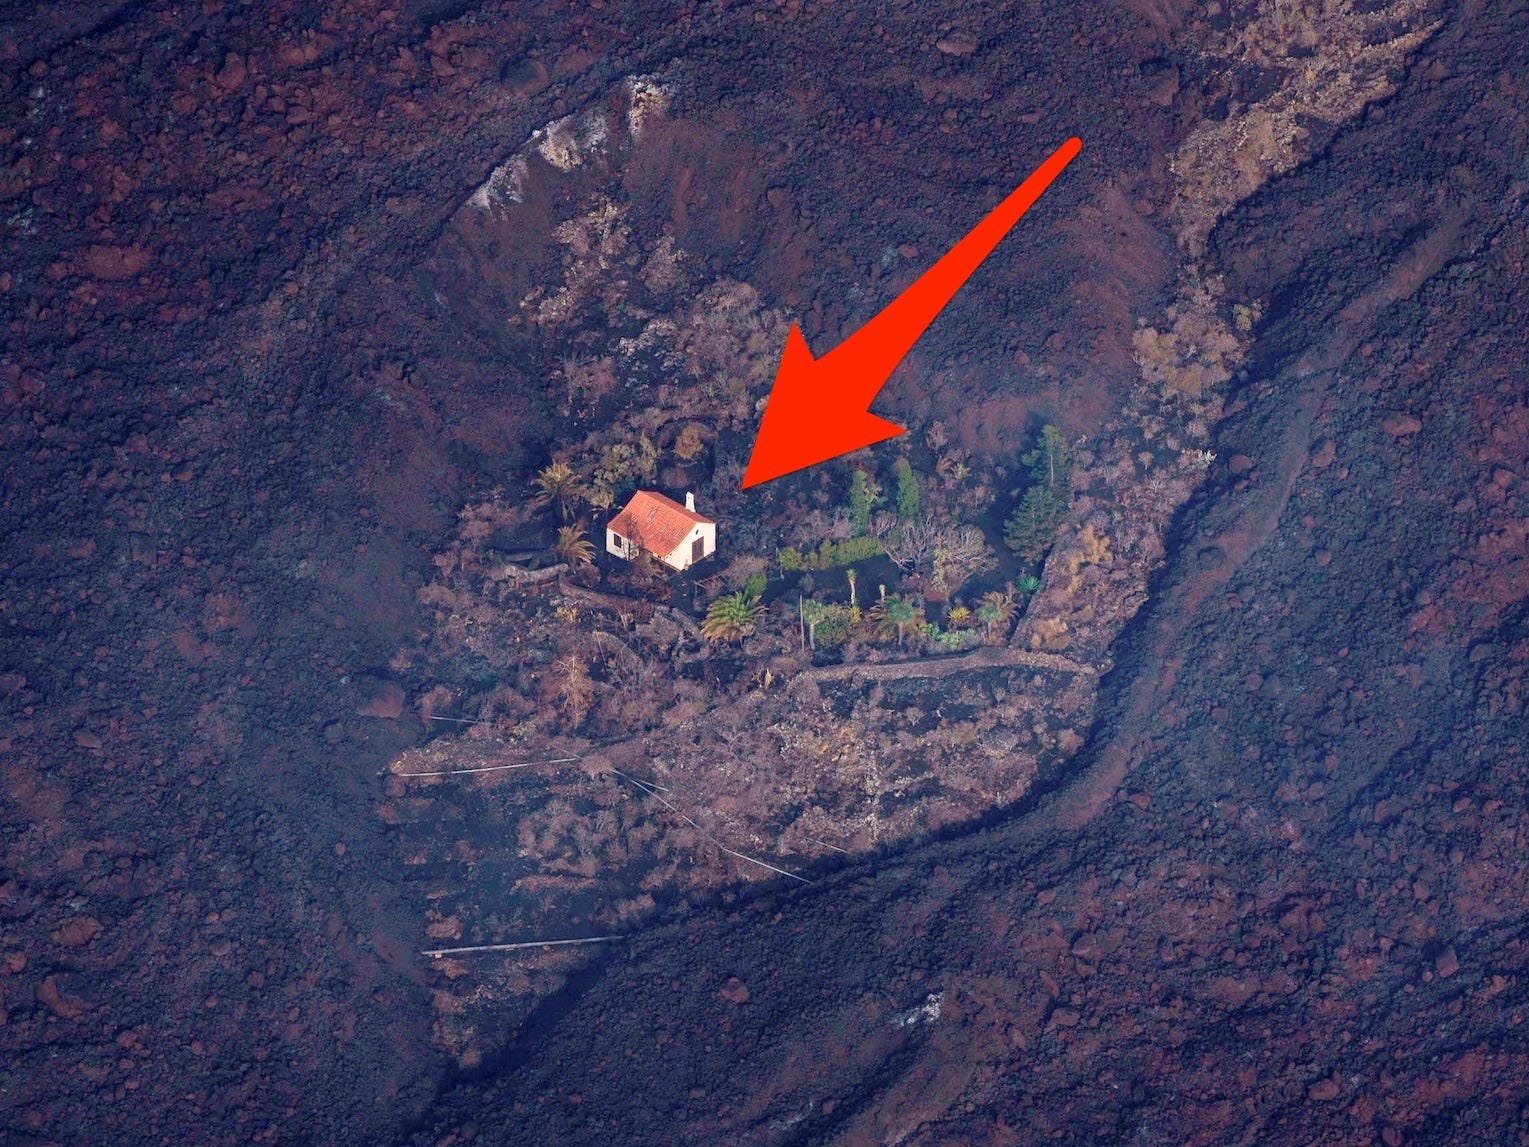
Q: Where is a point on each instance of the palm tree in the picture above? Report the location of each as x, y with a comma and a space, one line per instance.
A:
812, 613
559, 483
731, 617
996, 609
893, 614
574, 547
952, 468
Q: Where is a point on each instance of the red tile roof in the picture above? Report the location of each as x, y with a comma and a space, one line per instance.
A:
656, 523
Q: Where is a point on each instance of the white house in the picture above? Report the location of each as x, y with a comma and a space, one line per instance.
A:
676, 535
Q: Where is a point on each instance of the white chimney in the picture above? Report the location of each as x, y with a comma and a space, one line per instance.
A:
689, 501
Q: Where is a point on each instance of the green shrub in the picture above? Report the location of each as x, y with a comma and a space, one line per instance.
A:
834, 623
953, 641
829, 555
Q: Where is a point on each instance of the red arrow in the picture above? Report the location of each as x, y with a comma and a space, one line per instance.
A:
819, 408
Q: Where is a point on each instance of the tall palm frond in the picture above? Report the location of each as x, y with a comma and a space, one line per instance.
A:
892, 615
574, 547
558, 484
731, 617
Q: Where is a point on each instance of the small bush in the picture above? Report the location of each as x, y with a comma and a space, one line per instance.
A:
835, 624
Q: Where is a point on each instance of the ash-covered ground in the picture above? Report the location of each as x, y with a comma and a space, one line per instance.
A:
280, 304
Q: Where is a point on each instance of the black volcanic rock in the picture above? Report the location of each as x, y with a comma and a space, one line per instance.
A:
1281, 898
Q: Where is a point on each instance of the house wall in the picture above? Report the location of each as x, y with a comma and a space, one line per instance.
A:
616, 544
680, 558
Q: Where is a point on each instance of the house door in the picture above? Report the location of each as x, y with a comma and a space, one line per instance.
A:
697, 550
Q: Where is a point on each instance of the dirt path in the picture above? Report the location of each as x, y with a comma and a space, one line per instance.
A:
990, 657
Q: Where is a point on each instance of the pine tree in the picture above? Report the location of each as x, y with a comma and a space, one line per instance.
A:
1051, 461
864, 494
1031, 528
907, 490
